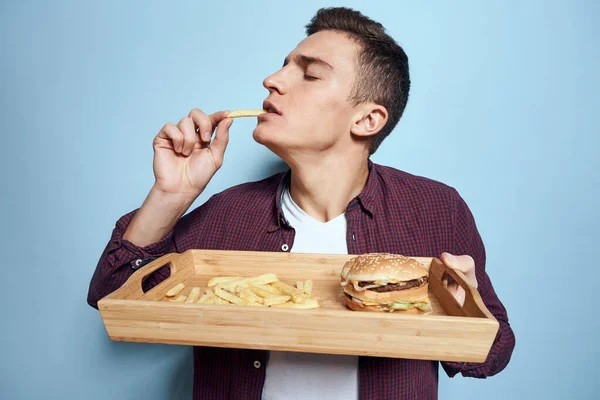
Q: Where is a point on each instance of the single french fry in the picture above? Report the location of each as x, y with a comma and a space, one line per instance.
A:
221, 279
245, 113
237, 290
276, 300
249, 295
261, 292
308, 287
175, 290
219, 300
299, 285
193, 296
230, 297
179, 299
270, 288
263, 279
295, 294
231, 284
206, 298
308, 303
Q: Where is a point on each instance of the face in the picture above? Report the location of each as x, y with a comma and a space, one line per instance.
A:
309, 97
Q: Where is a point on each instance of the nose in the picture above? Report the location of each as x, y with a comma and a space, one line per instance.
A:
276, 83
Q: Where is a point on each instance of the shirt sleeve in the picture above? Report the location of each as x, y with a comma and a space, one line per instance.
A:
468, 241
121, 258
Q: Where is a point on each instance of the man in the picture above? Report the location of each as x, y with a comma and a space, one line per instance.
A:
340, 92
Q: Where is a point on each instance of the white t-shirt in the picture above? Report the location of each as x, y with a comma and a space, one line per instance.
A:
292, 375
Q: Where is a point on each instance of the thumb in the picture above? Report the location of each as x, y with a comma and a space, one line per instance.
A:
461, 263
219, 143
449, 259
464, 264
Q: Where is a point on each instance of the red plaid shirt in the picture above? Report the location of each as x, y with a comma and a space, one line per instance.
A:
396, 213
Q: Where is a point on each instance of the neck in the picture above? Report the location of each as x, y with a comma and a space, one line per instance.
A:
324, 187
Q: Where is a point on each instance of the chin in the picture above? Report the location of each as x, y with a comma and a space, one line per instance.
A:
261, 136
270, 140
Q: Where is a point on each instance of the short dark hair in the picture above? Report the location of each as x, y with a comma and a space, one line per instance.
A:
382, 71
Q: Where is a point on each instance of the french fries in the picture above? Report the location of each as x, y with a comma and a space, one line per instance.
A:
308, 303
276, 300
175, 290
249, 295
207, 298
263, 279
308, 287
179, 299
194, 295
221, 279
265, 294
219, 300
269, 288
230, 297
245, 113
265, 290
294, 293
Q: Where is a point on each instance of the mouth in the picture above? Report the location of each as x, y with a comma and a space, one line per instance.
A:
271, 108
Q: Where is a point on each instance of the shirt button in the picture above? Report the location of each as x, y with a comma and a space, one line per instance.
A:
256, 364
284, 247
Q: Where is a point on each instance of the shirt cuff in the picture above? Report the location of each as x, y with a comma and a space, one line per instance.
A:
124, 251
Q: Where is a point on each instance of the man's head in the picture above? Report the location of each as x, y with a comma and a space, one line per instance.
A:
346, 84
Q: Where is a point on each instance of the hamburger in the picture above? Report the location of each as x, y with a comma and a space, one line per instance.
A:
382, 282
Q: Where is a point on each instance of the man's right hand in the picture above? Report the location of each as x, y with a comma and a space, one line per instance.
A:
185, 160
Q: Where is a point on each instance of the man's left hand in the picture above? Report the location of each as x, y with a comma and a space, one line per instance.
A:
466, 265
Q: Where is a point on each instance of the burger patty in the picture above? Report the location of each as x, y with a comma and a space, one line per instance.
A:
395, 286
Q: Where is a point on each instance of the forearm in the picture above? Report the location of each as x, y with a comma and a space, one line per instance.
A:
157, 217
468, 241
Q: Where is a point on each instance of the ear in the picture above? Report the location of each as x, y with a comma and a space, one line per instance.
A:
369, 120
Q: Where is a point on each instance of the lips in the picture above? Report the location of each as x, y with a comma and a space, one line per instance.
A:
269, 107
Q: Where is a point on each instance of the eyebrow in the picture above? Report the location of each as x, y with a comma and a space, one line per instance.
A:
307, 60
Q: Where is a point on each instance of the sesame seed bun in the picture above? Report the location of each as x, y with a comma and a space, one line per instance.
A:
383, 266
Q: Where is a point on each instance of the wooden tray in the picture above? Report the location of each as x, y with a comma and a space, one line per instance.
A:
449, 333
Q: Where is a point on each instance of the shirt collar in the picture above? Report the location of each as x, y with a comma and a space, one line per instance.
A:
278, 217
368, 198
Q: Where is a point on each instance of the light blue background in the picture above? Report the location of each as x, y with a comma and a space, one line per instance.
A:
504, 107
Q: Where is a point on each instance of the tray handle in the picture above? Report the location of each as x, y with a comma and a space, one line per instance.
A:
132, 288
473, 306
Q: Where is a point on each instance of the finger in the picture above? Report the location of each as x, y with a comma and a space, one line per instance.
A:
187, 128
206, 124
462, 263
221, 140
172, 133
216, 118
458, 293
202, 124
